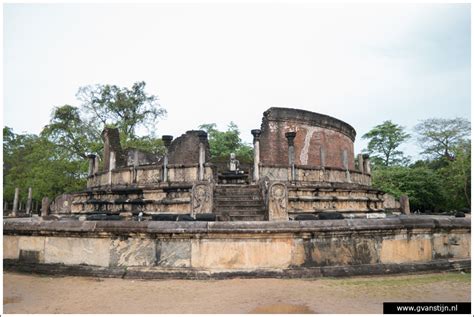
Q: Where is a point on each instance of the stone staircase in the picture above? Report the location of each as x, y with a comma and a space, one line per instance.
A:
238, 203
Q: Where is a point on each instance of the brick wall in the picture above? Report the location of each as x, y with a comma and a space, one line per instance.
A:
185, 149
313, 132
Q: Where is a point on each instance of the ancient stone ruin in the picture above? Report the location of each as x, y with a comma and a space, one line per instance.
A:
305, 208
303, 166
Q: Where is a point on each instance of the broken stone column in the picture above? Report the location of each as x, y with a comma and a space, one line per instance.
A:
167, 142
45, 206
111, 166
15, 202
360, 163
290, 136
96, 164
367, 164
405, 204
345, 161
29, 201
111, 138
91, 158
256, 154
322, 155
345, 164
202, 153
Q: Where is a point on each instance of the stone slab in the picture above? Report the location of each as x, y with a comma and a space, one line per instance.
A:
241, 253
73, 251
132, 252
400, 251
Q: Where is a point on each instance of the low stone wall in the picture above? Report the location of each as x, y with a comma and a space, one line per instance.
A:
167, 198
344, 199
222, 249
149, 175
314, 174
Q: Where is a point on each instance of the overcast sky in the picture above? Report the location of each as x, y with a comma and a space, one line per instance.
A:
215, 63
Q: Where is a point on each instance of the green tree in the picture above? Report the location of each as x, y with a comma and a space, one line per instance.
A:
456, 177
72, 133
422, 185
222, 143
384, 140
34, 161
124, 108
440, 137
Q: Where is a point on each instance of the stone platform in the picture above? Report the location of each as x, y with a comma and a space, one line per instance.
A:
200, 250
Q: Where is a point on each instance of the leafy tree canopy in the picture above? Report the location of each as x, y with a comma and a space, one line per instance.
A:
384, 140
33, 161
71, 132
440, 137
127, 109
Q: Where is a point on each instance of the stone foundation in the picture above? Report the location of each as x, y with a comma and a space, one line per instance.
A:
256, 249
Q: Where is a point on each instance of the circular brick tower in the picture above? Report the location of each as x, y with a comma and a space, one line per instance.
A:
321, 140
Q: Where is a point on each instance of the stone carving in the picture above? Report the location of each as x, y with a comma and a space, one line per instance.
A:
202, 198
278, 202
62, 204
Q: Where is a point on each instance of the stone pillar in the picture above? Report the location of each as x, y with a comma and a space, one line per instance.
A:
167, 142
96, 164
202, 153
91, 158
256, 154
5, 205
111, 166
15, 201
345, 164
360, 163
345, 161
44, 206
366, 164
322, 156
29, 201
111, 138
21, 206
405, 204
290, 136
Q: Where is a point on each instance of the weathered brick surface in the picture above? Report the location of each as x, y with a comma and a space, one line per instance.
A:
185, 149
313, 131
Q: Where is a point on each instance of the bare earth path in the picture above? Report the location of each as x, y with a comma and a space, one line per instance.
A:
43, 294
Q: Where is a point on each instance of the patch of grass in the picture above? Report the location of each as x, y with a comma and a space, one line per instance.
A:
405, 280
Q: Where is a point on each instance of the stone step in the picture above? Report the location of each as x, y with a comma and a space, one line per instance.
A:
240, 218
218, 189
237, 198
254, 212
243, 203
246, 218
240, 208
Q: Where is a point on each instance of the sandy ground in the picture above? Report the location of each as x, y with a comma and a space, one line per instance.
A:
44, 294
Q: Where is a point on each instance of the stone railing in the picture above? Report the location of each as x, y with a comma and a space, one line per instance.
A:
314, 174
149, 175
